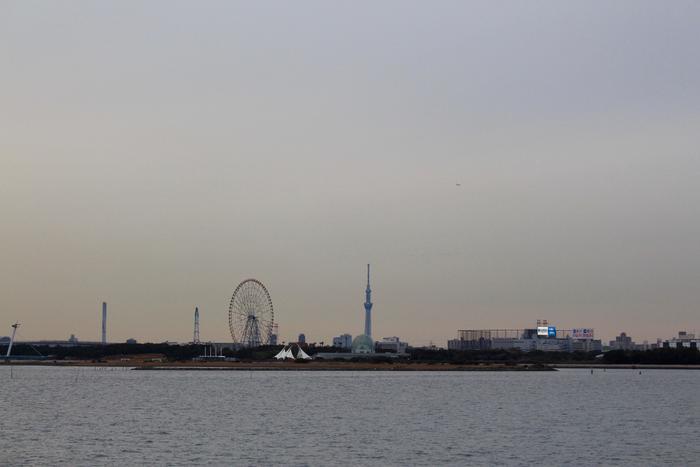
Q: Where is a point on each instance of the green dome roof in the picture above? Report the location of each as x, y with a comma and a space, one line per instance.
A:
362, 344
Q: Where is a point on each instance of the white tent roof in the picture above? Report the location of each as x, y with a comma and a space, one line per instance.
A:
282, 355
287, 353
303, 355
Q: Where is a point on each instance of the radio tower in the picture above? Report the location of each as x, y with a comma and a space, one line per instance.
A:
195, 338
104, 323
368, 308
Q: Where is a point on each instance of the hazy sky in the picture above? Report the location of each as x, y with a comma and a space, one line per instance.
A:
155, 154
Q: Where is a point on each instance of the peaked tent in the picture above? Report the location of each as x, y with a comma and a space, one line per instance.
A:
282, 355
289, 353
303, 355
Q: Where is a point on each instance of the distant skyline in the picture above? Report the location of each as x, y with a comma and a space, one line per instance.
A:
496, 163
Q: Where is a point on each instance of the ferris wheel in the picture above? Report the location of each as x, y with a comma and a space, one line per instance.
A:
250, 314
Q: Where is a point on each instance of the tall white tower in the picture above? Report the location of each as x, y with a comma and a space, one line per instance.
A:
368, 308
104, 323
195, 338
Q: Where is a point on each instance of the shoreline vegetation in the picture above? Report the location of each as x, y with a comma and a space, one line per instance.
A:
179, 357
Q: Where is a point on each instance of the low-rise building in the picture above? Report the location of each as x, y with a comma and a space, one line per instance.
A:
362, 344
543, 338
586, 345
684, 340
623, 342
344, 341
391, 344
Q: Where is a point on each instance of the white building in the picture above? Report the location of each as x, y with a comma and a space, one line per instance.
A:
623, 342
391, 344
344, 341
684, 339
542, 338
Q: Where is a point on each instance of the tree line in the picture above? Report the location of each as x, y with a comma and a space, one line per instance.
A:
683, 356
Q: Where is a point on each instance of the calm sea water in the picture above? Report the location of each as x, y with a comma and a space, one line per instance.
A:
91, 417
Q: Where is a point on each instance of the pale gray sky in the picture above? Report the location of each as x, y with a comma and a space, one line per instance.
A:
155, 154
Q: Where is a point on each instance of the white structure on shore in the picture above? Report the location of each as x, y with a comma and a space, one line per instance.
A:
542, 338
684, 339
195, 336
391, 344
12, 339
363, 344
368, 308
104, 323
286, 353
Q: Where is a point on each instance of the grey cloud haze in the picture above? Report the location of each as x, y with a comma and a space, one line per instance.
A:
154, 155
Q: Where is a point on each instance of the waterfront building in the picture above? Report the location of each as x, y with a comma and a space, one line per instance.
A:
391, 344
622, 342
362, 344
344, 341
586, 345
684, 340
645, 345
302, 338
543, 338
